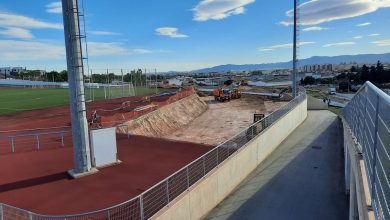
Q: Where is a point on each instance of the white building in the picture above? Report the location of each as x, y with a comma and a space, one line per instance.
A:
175, 81
12, 70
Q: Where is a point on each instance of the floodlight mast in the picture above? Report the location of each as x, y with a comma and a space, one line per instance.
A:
74, 57
295, 59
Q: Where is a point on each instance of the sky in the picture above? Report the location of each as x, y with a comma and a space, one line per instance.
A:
185, 35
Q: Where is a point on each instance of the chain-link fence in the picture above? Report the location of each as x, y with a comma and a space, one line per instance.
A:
154, 199
368, 116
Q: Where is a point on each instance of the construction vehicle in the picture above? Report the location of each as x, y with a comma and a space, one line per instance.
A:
226, 94
222, 94
236, 93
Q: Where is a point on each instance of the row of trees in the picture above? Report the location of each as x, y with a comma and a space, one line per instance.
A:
136, 77
357, 75
375, 74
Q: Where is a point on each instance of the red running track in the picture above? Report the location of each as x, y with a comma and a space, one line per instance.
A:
37, 180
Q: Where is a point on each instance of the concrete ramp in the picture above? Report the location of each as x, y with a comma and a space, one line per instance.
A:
315, 104
302, 179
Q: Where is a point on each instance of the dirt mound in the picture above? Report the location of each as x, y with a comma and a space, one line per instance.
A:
166, 119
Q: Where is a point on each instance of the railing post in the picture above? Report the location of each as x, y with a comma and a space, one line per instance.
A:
108, 215
30, 216
217, 156
12, 144
1, 212
204, 166
374, 156
62, 139
188, 179
167, 190
141, 206
38, 144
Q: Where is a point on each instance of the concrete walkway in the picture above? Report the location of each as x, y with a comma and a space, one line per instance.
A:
302, 179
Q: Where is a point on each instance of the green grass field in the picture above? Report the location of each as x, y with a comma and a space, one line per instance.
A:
22, 99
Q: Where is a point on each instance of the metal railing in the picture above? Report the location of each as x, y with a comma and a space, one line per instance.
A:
37, 139
160, 195
368, 116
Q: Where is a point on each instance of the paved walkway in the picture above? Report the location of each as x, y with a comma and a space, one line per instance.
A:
302, 179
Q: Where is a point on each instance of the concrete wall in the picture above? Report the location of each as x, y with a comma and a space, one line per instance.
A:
209, 192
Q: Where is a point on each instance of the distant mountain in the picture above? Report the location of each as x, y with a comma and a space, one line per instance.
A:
360, 59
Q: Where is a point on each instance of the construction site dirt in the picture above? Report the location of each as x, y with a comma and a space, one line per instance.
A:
222, 120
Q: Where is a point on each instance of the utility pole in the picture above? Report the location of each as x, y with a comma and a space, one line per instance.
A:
155, 76
123, 88
74, 57
295, 61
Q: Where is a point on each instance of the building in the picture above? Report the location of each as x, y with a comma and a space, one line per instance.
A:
317, 68
8, 71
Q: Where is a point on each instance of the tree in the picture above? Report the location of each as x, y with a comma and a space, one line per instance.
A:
309, 80
63, 76
342, 76
380, 72
365, 73
52, 76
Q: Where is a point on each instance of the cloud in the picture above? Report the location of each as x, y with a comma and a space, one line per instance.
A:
320, 11
284, 46
265, 49
54, 8
170, 32
374, 35
104, 33
16, 50
219, 9
15, 20
142, 51
339, 44
382, 43
357, 37
13, 32
105, 49
363, 24
315, 29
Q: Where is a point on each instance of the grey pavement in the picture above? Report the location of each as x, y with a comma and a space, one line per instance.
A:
302, 179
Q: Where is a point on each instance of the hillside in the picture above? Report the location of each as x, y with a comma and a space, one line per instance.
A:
361, 59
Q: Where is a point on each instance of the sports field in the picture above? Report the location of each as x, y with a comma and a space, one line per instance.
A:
14, 100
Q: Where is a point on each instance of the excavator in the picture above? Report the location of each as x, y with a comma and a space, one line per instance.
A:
226, 94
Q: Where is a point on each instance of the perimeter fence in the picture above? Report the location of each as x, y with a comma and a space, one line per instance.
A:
160, 195
368, 116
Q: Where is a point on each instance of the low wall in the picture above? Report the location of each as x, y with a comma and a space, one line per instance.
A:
218, 184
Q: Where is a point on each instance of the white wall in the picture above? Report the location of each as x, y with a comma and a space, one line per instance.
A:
209, 192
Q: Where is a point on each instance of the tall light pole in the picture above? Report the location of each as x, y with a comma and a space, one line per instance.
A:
295, 60
74, 57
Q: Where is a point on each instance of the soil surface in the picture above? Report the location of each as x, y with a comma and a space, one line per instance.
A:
223, 120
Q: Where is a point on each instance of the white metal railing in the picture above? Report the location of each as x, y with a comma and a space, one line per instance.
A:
160, 195
368, 116
34, 139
